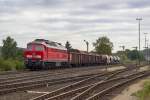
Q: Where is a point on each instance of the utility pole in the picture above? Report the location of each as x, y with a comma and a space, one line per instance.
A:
139, 20
87, 44
145, 39
148, 52
146, 47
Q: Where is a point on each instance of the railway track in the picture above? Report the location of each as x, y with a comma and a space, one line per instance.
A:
35, 75
13, 87
8, 87
10, 73
67, 92
98, 90
39, 75
44, 79
16, 74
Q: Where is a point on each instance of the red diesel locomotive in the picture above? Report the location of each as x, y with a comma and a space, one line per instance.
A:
45, 54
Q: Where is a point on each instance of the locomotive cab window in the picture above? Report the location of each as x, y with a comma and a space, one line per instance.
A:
39, 47
30, 47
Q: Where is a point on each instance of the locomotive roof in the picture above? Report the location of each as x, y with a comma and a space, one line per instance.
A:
50, 44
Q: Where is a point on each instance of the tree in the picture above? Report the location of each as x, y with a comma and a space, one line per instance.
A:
103, 45
68, 45
0, 51
9, 48
135, 55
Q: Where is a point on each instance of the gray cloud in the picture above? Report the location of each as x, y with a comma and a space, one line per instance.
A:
139, 3
74, 20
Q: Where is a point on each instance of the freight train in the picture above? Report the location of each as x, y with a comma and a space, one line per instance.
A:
45, 54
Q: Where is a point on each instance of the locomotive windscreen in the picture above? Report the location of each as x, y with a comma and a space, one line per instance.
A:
36, 47
39, 48
29, 47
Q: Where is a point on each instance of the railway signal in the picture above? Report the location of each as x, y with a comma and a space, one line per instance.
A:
87, 44
123, 47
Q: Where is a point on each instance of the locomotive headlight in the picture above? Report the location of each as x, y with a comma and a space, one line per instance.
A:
38, 56
29, 56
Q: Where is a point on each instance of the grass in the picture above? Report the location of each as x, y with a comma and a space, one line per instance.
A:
10, 64
144, 94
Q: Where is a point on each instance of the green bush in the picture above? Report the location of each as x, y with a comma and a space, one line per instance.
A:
10, 64
5, 65
19, 65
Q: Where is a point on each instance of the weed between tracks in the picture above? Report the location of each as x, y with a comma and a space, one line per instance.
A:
144, 94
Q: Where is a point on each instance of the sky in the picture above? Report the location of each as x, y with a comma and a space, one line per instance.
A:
75, 21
